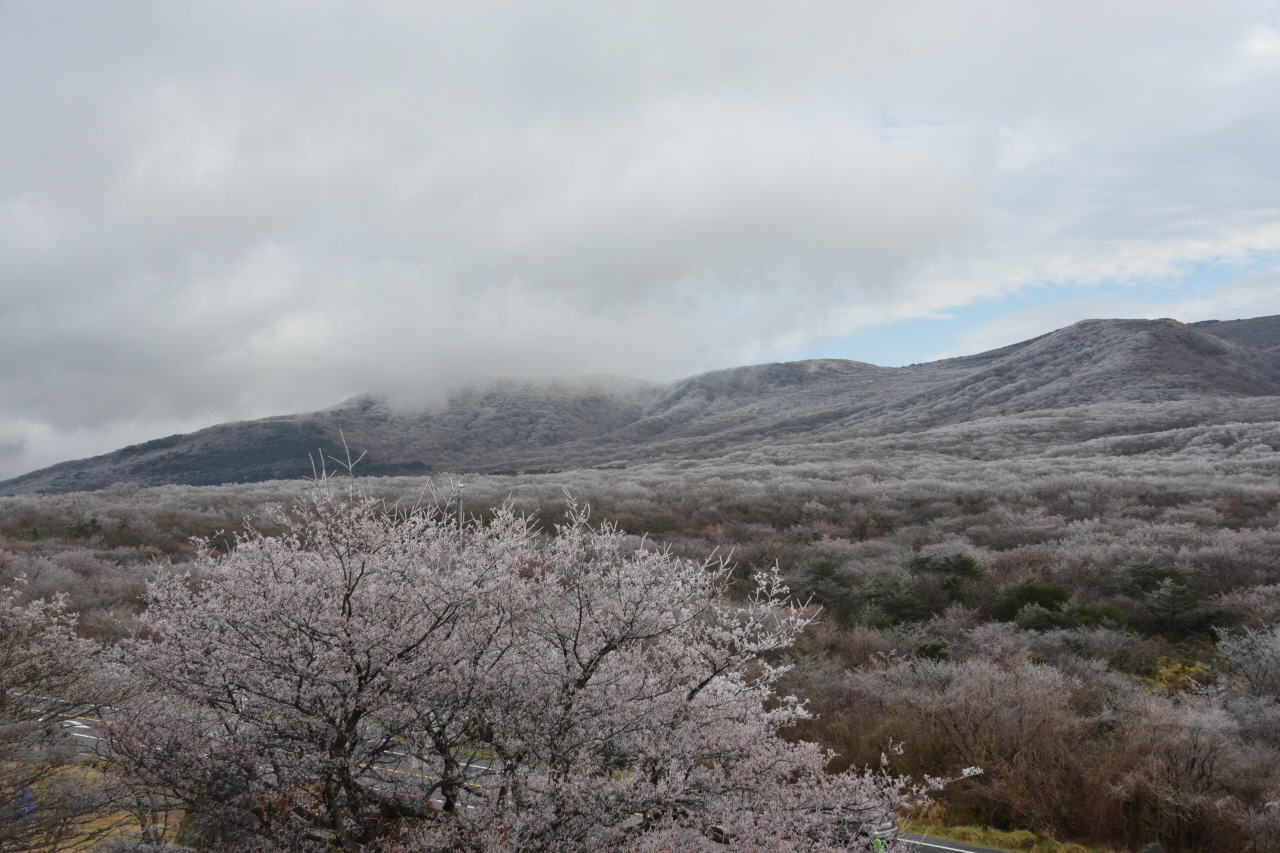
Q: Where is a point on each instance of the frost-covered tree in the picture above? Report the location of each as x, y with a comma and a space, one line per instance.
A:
47, 674
1252, 657
363, 682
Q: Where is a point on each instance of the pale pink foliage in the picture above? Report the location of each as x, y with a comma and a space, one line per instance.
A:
363, 682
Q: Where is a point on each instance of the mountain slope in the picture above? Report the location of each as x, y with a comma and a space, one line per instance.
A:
1085, 382
1259, 332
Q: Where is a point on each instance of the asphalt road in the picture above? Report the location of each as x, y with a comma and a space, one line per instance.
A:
81, 728
941, 845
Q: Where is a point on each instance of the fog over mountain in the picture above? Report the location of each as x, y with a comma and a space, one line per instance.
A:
1098, 387
221, 211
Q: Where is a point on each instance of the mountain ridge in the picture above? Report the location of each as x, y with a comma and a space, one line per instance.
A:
1258, 332
512, 424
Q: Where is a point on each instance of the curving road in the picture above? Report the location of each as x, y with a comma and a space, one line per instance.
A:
924, 844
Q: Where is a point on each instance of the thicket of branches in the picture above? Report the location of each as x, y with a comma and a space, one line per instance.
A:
1099, 634
55, 794
379, 679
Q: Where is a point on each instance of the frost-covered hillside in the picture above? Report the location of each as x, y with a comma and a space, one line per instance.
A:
1259, 332
1099, 387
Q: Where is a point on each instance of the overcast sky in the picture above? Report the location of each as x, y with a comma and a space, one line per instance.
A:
214, 211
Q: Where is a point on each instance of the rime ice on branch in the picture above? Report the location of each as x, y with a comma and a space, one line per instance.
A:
48, 800
362, 683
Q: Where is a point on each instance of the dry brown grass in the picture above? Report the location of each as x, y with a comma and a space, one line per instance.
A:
1017, 841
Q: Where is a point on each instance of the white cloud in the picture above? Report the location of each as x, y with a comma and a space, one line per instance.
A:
1251, 296
1022, 325
220, 210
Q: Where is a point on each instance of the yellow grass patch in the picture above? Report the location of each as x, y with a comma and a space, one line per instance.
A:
1016, 841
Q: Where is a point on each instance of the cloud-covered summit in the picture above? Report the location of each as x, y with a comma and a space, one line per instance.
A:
1096, 380
222, 210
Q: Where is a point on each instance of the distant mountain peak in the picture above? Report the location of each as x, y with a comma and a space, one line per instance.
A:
1259, 332
536, 424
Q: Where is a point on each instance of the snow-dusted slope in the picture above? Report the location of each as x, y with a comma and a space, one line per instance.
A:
1093, 382
1259, 332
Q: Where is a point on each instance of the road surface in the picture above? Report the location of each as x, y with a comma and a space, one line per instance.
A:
940, 845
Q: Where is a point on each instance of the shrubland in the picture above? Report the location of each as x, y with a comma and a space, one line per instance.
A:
1101, 634
377, 677
381, 680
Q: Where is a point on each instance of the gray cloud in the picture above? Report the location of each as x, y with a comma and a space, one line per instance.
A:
12, 449
219, 210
